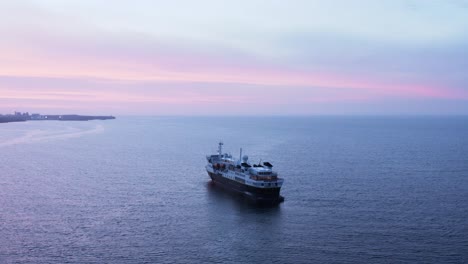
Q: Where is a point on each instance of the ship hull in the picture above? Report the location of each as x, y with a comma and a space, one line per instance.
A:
266, 196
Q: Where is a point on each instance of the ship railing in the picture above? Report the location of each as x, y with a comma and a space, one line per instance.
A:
267, 178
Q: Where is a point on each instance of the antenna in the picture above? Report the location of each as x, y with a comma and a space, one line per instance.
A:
240, 155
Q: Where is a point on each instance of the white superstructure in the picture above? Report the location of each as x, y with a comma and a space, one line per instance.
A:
242, 171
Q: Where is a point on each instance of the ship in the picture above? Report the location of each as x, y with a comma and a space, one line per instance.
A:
257, 182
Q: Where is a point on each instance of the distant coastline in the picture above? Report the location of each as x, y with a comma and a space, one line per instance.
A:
22, 117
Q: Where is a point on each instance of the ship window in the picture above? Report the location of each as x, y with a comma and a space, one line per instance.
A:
262, 184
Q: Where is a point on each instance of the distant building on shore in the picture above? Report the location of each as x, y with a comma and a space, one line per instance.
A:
36, 117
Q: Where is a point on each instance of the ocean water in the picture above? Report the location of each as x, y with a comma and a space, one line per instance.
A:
134, 190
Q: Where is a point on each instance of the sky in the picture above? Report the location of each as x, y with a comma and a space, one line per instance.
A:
255, 57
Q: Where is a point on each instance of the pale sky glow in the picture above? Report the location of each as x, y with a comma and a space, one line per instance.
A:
234, 57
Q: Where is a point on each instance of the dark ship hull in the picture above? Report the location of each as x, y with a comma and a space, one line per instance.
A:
261, 196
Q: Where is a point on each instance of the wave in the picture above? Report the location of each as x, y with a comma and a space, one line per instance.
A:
38, 135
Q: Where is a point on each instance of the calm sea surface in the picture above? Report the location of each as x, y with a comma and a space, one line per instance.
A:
134, 190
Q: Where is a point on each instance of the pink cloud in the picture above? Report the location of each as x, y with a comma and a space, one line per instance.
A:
43, 70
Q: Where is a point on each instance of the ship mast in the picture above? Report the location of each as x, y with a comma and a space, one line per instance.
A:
220, 149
